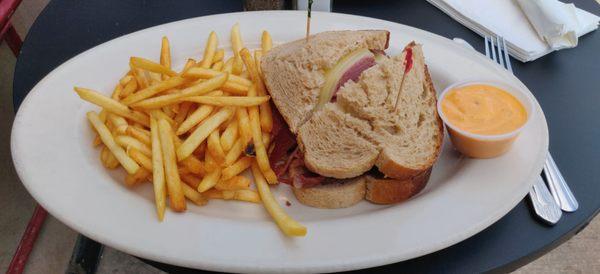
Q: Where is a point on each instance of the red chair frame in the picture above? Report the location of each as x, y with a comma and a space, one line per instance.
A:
12, 38
7, 31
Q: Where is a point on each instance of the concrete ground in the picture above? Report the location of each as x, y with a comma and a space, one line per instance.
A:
55, 243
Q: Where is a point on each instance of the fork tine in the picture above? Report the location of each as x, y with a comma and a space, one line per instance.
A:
487, 47
500, 48
506, 56
493, 49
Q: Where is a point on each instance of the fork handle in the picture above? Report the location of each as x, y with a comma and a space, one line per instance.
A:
558, 186
543, 204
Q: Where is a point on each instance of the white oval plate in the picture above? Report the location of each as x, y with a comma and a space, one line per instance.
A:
52, 152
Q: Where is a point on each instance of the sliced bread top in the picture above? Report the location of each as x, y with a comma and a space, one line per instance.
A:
295, 72
387, 118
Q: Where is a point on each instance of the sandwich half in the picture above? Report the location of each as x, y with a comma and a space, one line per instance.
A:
353, 123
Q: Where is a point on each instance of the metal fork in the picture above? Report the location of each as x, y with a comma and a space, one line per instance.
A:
545, 206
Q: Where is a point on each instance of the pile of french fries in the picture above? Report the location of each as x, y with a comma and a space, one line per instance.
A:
193, 132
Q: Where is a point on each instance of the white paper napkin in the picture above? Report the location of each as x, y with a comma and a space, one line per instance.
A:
555, 22
505, 18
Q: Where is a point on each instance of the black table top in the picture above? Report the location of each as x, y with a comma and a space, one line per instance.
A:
565, 83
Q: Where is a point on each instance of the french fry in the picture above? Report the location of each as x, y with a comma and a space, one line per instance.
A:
214, 147
142, 175
183, 171
112, 105
195, 118
140, 77
213, 194
228, 66
266, 138
202, 132
175, 109
165, 55
141, 134
259, 147
245, 74
129, 88
176, 196
189, 64
247, 195
237, 66
129, 164
235, 152
209, 163
158, 172
191, 180
219, 55
266, 116
206, 73
209, 50
236, 39
210, 180
237, 45
257, 57
229, 135
151, 66
108, 159
266, 42
153, 76
140, 158
139, 126
228, 194
234, 183
191, 84
103, 155
159, 114
289, 226
217, 66
125, 80
235, 88
117, 92
236, 168
152, 90
128, 142
199, 89
221, 101
97, 141
244, 126
191, 163
118, 122
182, 113
169, 112
102, 115
194, 165
174, 90
199, 152
193, 195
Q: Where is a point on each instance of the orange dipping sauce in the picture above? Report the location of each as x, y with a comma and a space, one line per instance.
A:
483, 109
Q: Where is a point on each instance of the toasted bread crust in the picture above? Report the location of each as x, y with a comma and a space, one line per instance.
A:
343, 193
346, 193
394, 170
390, 191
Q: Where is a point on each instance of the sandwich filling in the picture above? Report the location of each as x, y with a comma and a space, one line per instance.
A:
350, 67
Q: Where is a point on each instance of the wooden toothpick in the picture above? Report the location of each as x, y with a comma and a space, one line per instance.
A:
310, 2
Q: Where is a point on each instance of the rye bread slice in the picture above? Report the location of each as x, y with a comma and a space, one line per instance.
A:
294, 72
338, 194
393, 111
390, 191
